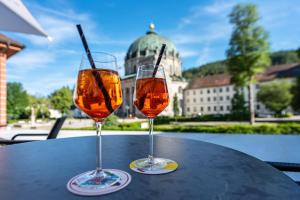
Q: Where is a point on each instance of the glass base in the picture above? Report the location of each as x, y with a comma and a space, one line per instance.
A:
153, 165
95, 182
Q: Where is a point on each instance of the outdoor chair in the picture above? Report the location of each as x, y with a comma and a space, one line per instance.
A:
52, 134
287, 167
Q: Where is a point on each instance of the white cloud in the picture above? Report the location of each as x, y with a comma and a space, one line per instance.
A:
29, 60
187, 53
60, 30
213, 32
47, 84
60, 26
13, 77
67, 14
218, 7
204, 56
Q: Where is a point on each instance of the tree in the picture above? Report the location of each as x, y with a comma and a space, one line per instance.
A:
61, 99
239, 110
39, 107
175, 105
298, 52
17, 100
276, 96
296, 95
248, 52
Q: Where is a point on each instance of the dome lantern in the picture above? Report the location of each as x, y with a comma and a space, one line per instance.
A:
151, 27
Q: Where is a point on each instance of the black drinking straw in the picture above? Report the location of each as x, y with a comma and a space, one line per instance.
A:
96, 75
86, 47
159, 59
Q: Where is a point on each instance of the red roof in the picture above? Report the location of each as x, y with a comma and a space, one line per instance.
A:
273, 72
9, 46
6, 40
210, 81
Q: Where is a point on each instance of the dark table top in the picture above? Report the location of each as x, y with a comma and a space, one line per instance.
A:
41, 170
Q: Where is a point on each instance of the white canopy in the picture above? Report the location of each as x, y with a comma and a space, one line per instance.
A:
15, 17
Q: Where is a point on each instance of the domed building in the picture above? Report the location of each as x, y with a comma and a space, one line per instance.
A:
145, 50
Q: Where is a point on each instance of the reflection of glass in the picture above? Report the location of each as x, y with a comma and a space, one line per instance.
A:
98, 94
151, 98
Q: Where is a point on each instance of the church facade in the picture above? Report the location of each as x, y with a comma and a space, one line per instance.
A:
143, 51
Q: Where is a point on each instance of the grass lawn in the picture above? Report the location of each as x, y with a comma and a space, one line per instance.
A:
268, 128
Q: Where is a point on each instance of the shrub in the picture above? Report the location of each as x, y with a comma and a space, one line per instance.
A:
112, 120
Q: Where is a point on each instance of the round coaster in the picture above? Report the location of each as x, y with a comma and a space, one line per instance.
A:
73, 187
170, 166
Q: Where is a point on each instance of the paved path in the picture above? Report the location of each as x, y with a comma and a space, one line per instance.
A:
285, 148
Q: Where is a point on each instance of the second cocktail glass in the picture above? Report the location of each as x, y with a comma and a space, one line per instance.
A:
151, 97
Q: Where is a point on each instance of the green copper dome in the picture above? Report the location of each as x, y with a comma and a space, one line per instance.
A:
151, 42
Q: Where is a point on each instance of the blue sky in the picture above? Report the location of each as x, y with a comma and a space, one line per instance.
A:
199, 29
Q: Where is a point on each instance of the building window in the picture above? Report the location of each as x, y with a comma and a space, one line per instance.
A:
227, 89
221, 90
194, 100
194, 92
208, 91
208, 108
221, 98
201, 109
187, 92
200, 91
215, 108
228, 108
228, 97
215, 90
133, 55
257, 107
180, 89
201, 99
215, 98
208, 99
188, 109
221, 108
195, 109
188, 100
143, 53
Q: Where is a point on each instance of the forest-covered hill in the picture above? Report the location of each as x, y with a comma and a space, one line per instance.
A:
279, 57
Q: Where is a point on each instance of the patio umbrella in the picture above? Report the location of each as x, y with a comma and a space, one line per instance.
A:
15, 17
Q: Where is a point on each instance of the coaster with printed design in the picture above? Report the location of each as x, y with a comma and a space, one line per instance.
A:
157, 168
79, 186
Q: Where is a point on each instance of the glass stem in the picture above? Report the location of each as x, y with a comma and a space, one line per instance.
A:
150, 157
99, 147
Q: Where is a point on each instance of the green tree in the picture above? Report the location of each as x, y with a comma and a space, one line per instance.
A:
284, 57
61, 99
239, 109
111, 121
39, 107
17, 100
298, 52
248, 52
175, 105
296, 95
276, 96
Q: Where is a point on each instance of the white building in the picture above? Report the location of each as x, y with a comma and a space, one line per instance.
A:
212, 94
